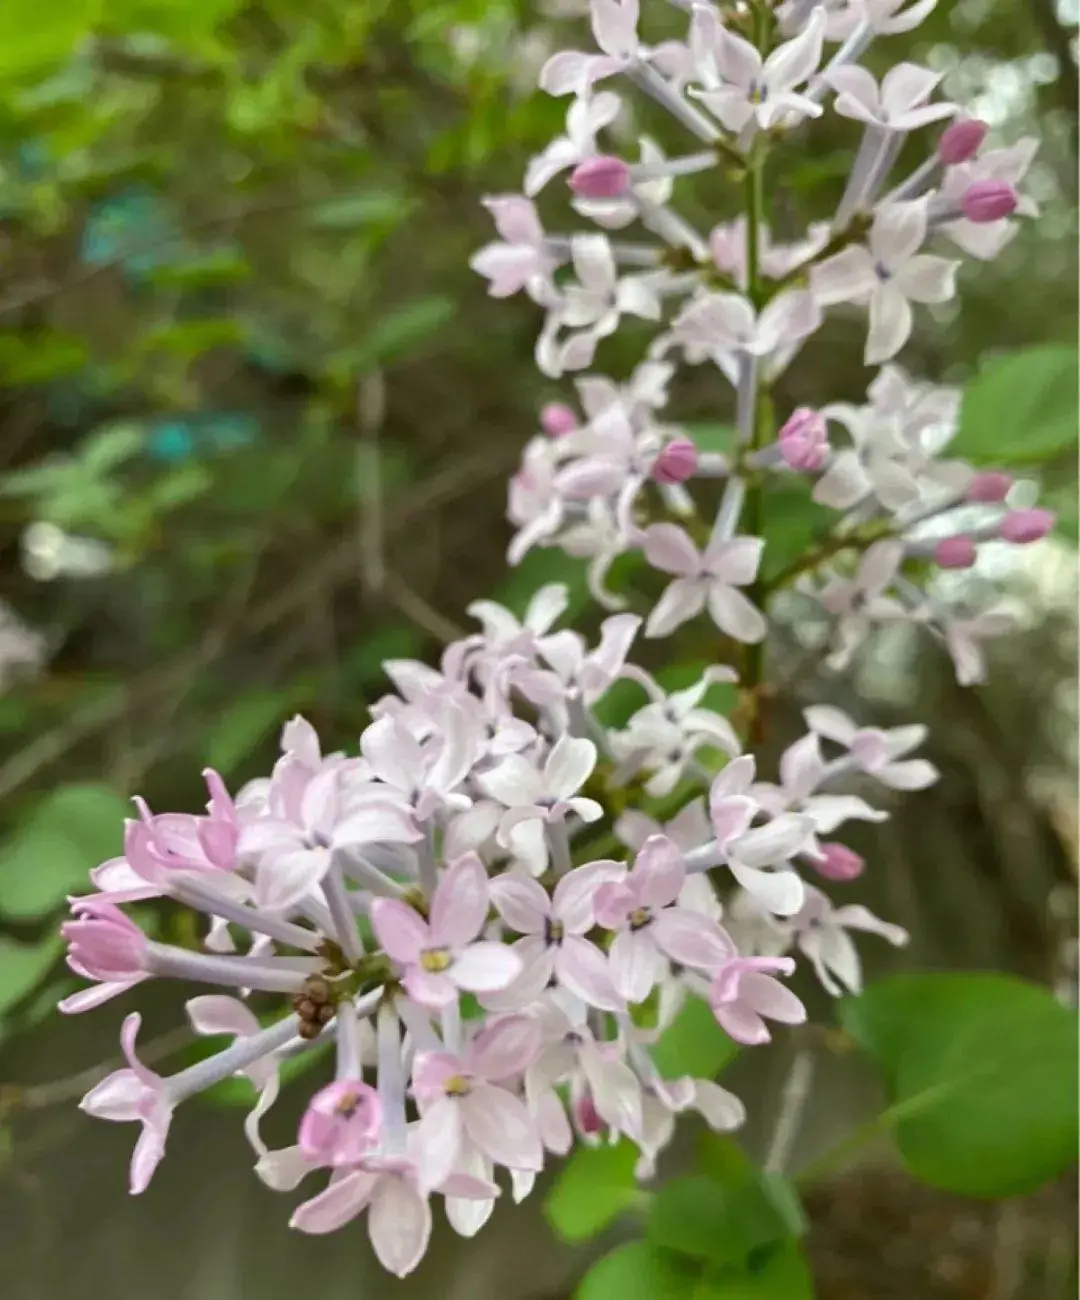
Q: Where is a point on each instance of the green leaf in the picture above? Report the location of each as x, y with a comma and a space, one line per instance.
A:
239, 729
730, 1223
1021, 408
594, 1186
711, 437
372, 207
636, 1271
641, 1271
983, 1068
24, 965
792, 522
693, 1044
69, 832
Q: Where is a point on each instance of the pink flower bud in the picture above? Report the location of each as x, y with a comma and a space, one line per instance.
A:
991, 486
839, 862
1023, 526
341, 1123
804, 440
600, 178
103, 943
961, 141
557, 420
985, 201
955, 552
676, 463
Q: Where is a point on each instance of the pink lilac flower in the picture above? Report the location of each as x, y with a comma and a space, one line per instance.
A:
838, 862
744, 993
887, 275
877, 752
961, 140
650, 929
614, 26
463, 1102
521, 256
442, 956
134, 1094
821, 933
342, 1124
534, 796
553, 929
740, 86
709, 578
1024, 526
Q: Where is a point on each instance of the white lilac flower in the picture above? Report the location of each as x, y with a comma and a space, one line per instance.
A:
898, 104
584, 119
887, 275
522, 257
705, 579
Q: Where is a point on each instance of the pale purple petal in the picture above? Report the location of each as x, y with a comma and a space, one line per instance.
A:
797, 60
569, 765
916, 774
890, 324
929, 279
737, 61
779, 892
514, 782
780, 838
215, 1013
898, 232
742, 1023
669, 548
342, 1199
399, 1225
682, 600
400, 930
771, 999
737, 561
582, 969
659, 872
720, 1109
736, 614
636, 964
459, 907
434, 989
848, 276
521, 903
573, 901
857, 917
830, 722
393, 753
502, 1128
437, 1140
504, 1048
691, 939
844, 483
282, 881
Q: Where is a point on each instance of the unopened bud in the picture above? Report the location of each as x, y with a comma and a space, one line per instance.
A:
557, 420
600, 178
804, 440
1022, 526
962, 141
985, 201
955, 552
839, 862
676, 463
989, 487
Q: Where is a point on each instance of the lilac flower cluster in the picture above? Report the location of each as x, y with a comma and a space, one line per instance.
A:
429, 885
479, 909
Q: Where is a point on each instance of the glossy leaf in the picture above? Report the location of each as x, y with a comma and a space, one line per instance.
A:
593, 1187
50, 854
983, 1068
1021, 408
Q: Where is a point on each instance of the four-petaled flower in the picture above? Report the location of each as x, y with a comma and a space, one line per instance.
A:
442, 956
709, 578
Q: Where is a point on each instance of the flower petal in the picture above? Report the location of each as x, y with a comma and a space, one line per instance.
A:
399, 1224
669, 548
659, 872
504, 1048
582, 970
890, 324
569, 766
691, 939
485, 967
636, 964
502, 1128
400, 930
341, 1200
459, 907
682, 600
521, 903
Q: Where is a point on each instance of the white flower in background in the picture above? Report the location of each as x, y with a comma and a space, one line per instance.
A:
739, 87
986, 239
880, 753
614, 25
859, 602
887, 276
705, 579
592, 307
898, 104
523, 255
713, 325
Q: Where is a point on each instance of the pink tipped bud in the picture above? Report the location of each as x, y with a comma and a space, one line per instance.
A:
985, 201
839, 862
962, 141
989, 487
557, 420
341, 1124
676, 463
600, 178
804, 440
1022, 526
955, 552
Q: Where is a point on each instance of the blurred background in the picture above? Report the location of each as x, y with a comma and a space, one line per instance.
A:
256, 422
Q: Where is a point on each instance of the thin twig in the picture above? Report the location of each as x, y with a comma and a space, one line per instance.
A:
793, 1099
